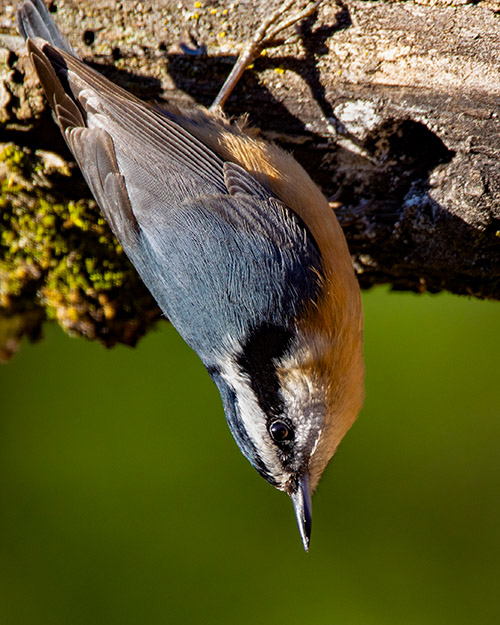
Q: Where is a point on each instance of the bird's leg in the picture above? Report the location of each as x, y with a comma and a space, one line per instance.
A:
265, 37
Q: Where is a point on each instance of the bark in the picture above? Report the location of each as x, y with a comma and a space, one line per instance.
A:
391, 107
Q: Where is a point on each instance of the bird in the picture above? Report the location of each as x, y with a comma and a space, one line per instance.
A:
240, 249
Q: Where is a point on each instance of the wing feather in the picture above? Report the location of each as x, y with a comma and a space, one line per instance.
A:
34, 20
135, 118
94, 152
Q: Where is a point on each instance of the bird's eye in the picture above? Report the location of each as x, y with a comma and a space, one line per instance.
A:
280, 431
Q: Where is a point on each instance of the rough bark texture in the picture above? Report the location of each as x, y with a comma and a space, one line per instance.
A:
391, 107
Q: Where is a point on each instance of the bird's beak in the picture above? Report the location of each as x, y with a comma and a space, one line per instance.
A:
302, 504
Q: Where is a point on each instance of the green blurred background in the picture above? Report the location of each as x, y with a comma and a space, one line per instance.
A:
123, 498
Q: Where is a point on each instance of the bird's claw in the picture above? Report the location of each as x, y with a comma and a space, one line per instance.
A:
265, 37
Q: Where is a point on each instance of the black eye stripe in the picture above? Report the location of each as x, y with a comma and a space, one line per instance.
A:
266, 344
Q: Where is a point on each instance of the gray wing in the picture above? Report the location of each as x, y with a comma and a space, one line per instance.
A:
159, 159
201, 232
136, 160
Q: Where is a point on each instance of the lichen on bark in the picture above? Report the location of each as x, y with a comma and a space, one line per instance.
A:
59, 259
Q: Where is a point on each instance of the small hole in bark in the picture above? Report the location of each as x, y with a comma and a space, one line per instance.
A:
52, 7
17, 77
88, 37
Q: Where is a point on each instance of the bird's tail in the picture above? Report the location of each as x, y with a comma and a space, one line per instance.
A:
34, 20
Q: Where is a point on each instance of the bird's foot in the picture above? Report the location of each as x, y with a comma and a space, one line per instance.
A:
265, 37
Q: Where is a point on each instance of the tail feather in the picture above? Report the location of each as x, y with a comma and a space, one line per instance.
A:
34, 20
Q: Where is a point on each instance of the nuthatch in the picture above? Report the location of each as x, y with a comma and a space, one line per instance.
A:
241, 251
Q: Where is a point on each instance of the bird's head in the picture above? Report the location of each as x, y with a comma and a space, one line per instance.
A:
290, 395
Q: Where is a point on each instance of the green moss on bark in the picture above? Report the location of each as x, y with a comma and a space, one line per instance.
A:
59, 260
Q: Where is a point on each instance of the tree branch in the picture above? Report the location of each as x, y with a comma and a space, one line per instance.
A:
391, 107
